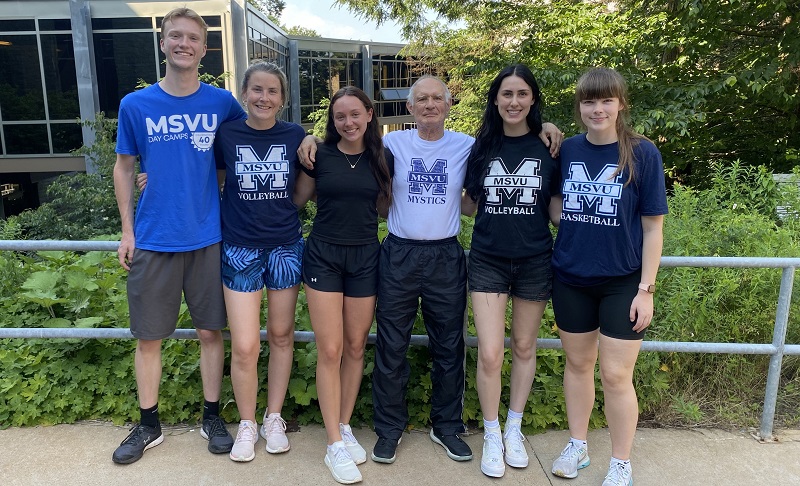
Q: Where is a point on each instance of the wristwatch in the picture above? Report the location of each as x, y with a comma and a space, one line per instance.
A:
649, 288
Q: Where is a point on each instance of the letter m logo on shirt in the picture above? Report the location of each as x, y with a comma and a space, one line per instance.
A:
602, 192
433, 180
525, 181
252, 169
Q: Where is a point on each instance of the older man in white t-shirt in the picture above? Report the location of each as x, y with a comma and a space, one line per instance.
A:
422, 264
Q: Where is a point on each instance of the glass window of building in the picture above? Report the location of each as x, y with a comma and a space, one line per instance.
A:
122, 60
322, 73
60, 80
21, 95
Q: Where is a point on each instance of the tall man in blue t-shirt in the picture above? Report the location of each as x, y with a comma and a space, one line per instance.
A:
173, 247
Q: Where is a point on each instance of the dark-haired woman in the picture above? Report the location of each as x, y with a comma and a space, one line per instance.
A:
512, 178
340, 263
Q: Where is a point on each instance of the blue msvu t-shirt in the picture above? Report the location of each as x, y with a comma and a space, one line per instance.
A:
174, 137
600, 232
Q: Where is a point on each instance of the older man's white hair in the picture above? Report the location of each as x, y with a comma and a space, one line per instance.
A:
410, 98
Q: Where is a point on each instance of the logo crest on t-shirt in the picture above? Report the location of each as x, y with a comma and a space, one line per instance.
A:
254, 172
183, 126
523, 183
433, 181
601, 192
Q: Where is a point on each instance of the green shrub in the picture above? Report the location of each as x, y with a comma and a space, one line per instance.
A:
80, 206
55, 381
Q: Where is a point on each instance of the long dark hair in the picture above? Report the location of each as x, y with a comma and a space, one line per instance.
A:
598, 83
489, 138
372, 142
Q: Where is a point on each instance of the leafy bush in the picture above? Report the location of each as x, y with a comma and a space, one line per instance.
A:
81, 206
55, 381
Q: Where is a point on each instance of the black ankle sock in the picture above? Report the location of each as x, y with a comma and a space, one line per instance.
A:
210, 409
149, 416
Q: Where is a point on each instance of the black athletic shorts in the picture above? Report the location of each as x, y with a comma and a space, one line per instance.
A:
605, 306
349, 269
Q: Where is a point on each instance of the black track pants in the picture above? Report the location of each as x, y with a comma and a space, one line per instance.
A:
436, 272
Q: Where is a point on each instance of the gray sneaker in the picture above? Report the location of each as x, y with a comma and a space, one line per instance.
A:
571, 459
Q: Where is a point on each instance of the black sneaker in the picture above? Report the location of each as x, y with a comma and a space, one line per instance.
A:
139, 440
385, 450
217, 435
457, 449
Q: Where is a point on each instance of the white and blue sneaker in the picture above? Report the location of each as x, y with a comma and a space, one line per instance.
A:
572, 458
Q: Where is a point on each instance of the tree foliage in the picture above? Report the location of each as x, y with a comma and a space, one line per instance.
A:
273, 8
710, 81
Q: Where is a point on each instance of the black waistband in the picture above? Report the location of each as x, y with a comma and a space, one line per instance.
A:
406, 241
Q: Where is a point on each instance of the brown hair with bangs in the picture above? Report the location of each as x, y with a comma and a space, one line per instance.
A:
598, 83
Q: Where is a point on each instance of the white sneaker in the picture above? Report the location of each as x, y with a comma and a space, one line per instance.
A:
619, 475
492, 460
513, 441
274, 432
244, 448
353, 447
342, 467
571, 459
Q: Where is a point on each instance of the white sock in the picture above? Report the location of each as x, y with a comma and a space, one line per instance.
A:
514, 415
491, 426
579, 443
626, 463
336, 445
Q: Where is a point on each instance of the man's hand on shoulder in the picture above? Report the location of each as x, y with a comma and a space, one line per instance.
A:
308, 150
552, 138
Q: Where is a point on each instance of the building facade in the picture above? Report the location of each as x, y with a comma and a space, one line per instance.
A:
62, 61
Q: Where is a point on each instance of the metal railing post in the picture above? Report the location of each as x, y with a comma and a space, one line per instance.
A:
775, 361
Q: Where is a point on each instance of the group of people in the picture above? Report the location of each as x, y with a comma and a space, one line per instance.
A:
605, 192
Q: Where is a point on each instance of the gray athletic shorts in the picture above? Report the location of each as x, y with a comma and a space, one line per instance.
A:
156, 282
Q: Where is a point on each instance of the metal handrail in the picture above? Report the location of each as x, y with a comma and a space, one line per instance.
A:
776, 350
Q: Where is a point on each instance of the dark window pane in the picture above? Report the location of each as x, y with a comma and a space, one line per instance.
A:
122, 23
305, 82
17, 25
20, 80
55, 24
122, 59
213, 21
305, 111
321, 80
212, 61
26, 139
66, 137
355, 73
59, 76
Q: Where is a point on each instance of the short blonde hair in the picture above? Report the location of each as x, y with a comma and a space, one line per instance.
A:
188, 13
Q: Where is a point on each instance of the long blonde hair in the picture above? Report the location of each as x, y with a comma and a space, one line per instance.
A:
598, 83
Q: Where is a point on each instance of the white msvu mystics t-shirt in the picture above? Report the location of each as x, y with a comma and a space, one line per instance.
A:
427, 184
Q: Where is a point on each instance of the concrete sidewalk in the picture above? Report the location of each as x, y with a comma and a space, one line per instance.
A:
81, 455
